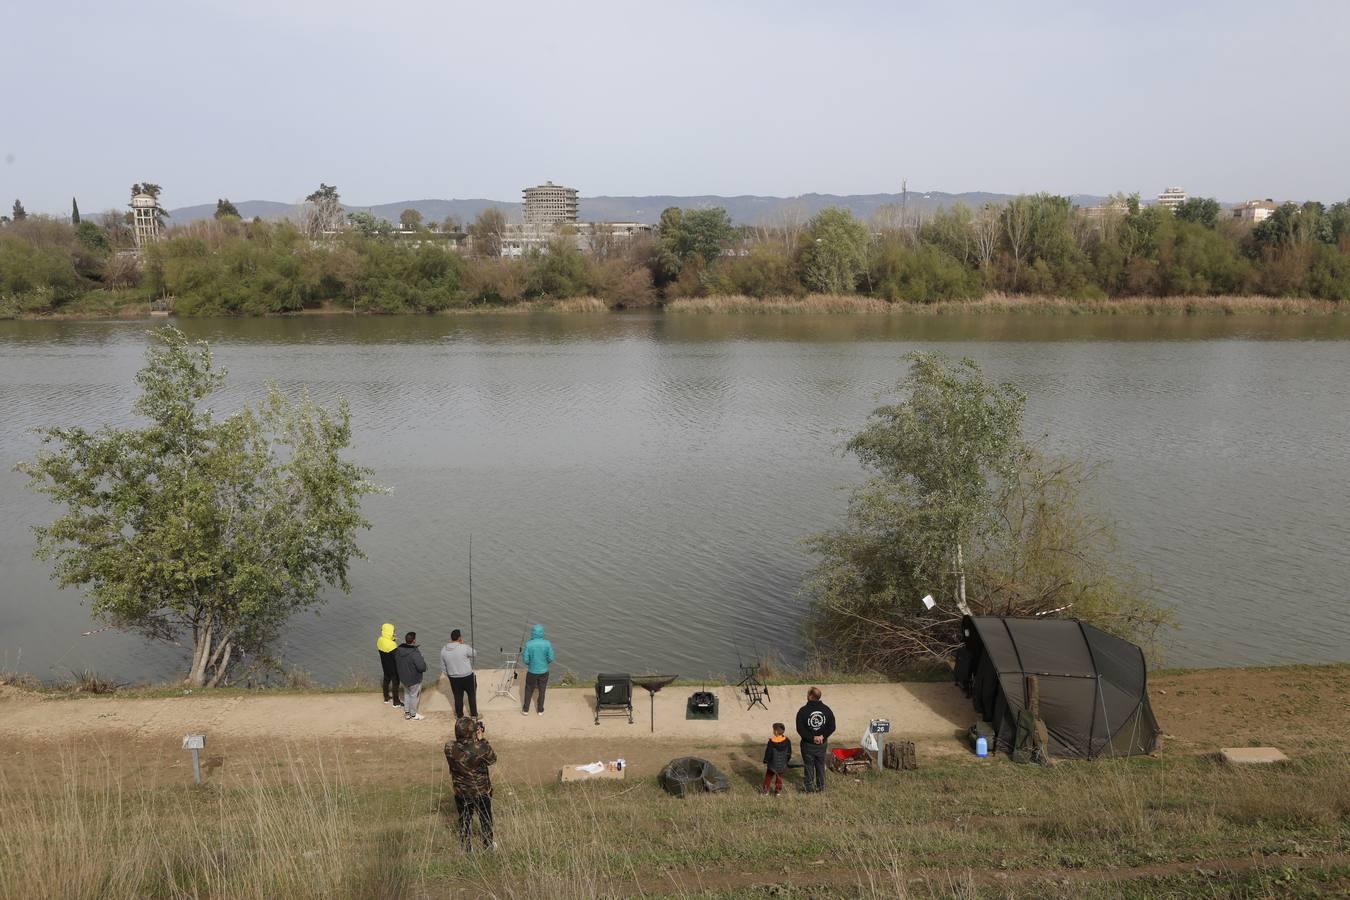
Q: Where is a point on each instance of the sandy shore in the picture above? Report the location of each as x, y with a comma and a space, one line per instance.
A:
920, 711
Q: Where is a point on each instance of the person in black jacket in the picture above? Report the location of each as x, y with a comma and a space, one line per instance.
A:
815, 724
411, 666
776, 755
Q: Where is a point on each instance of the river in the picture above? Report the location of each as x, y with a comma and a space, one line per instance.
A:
642, 483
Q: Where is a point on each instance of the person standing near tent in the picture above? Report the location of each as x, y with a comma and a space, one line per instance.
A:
457, 662
536, 657
815, 724
411, 668
386, 644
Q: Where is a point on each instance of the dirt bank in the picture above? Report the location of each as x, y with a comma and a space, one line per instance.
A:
1300, 709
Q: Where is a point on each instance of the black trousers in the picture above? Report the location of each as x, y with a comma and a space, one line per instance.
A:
461, 685
813, 762
389, 680
467, 808
535, 683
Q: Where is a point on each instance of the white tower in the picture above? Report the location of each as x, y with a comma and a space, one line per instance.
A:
145, 213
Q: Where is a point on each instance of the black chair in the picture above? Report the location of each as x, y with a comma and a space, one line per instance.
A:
613, 696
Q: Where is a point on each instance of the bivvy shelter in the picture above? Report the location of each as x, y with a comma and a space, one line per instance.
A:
1093, 685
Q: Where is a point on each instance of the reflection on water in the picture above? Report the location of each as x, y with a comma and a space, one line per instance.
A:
642, 483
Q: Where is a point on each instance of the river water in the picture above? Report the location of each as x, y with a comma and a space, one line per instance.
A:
642, 483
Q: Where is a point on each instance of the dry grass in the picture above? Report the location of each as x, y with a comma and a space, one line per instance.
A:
300, 825
1014, 304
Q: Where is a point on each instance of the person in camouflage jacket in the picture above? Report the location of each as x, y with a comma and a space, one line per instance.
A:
469, 757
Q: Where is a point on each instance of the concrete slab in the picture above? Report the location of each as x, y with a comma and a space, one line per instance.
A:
1250, 755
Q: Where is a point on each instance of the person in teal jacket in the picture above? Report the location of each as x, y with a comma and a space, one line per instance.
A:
537, 655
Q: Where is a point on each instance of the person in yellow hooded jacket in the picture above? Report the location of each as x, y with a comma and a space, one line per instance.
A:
389, 683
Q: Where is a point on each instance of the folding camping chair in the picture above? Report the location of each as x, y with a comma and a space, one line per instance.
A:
613, 696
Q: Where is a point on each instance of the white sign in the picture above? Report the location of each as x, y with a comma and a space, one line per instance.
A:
928, 601
879, 726
194, 742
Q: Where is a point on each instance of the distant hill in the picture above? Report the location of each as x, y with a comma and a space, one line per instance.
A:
744, 210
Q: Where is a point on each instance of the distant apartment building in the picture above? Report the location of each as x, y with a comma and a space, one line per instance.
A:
1171, 198
589, 237
1254, 210
1113, 210
550, 204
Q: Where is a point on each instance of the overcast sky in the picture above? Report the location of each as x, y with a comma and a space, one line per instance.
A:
412, 100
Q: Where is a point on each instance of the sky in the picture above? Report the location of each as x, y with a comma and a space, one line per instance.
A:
415, 100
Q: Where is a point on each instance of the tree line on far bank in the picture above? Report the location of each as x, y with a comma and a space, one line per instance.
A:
1037, 244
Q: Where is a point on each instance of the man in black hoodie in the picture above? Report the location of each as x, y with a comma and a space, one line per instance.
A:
411, 666
815, 724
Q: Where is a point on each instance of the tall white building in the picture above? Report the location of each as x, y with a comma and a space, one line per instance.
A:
550, 204
1172, 198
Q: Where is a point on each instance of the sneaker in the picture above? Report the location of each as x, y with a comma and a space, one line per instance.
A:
398, 706
524, 712
407, 715
541, 712
387, 701
417, 717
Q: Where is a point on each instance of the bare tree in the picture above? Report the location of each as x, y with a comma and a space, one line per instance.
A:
488, 231
985, 228
321, 212
1017, 227
602, 241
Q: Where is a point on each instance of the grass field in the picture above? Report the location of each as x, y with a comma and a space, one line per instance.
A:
304, 823
114, 814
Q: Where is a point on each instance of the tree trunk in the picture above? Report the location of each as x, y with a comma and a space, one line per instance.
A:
201, 653
222, 664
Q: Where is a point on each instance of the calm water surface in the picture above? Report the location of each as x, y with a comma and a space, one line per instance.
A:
642, 484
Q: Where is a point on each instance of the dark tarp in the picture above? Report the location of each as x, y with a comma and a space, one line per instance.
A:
1094, 686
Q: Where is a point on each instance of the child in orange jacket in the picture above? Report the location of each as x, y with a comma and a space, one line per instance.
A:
776, 755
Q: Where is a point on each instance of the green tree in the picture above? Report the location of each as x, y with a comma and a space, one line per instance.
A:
559, 273
1200, 210
74, 212
226, 210
92, 237
689, 233
410, 219
834, 252
19, 212
956, 495
364, 222
217, 530
1291, 225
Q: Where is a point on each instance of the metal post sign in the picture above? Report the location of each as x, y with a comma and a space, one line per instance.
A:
878, 726
196, 743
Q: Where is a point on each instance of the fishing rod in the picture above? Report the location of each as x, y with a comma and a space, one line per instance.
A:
472, 640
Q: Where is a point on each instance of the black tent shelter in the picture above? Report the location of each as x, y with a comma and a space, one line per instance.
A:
1093, 685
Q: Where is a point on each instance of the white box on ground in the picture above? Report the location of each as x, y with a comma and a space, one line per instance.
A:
194, 742
1251, 755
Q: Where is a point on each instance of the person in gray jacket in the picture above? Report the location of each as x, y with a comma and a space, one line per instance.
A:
411, 667
457, 661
